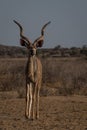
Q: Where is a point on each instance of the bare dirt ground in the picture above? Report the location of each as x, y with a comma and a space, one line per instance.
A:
56, 113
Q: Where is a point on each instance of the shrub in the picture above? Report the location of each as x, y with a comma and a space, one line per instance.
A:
61, 76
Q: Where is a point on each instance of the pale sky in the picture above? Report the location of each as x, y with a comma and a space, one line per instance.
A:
68, 21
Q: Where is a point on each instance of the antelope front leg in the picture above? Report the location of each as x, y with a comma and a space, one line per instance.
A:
37, 104
27, 100
33, 104
30, 103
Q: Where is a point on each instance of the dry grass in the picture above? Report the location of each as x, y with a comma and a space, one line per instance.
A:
56, 113
61, 76
67, 75
12, 74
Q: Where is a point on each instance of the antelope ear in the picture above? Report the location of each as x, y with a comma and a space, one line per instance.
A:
23, 42
39, 43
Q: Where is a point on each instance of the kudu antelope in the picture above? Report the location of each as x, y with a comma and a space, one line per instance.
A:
33, 73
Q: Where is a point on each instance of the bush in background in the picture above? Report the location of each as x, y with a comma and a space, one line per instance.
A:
61, 76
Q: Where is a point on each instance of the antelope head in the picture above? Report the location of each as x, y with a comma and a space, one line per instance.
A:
24, 41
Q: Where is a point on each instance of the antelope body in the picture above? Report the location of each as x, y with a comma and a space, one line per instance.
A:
33, 73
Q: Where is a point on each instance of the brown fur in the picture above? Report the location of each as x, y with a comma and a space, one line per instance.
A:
33, 73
